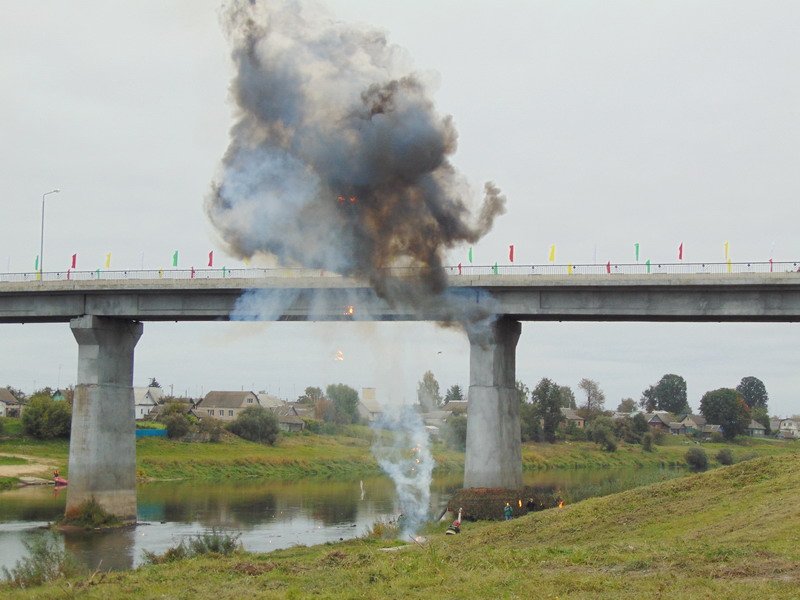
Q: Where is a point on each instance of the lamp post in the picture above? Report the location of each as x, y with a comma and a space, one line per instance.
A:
41, 239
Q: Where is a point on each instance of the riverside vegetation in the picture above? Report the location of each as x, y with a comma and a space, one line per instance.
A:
729, 532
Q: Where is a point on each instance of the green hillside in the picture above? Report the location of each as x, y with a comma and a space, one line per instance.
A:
728, 533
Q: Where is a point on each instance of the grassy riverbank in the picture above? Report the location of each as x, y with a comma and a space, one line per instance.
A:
725, 533
348, 454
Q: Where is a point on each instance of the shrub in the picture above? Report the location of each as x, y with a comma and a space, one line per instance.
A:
725, 456
45, 419
697, 459
47, 561
716, 438
256, 424
177, 426
601, 431
647, 442
212, 428
213, 542
90, 515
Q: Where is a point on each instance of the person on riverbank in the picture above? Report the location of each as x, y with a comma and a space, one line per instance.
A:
507, 510
530, 505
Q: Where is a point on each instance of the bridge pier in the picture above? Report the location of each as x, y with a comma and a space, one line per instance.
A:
102, 449
494, 451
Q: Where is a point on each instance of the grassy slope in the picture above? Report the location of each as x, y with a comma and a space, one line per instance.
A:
731, 532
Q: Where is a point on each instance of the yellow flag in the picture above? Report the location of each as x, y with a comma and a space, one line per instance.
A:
569, 269
729, 265
552, 253
108, 260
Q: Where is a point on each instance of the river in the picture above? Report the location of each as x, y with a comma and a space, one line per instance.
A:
267, 515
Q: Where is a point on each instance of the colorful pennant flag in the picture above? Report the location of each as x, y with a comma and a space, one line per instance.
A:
108, 260
680, 251
636, 246
175, 259
552, 253
211, 259
74, 261
511, 253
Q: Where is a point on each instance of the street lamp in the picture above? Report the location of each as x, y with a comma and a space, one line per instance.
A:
41, 239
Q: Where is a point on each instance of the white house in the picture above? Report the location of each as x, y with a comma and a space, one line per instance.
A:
789, 429
225, 406
368, 407
146, 399
9, 405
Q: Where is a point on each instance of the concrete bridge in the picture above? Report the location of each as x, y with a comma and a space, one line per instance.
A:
107, 314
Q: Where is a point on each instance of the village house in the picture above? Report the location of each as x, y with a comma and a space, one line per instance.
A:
225, 406
9, 405
145, 399
288, 418
457, 407
62, 396
756, 429
789, 429
659, 421
694, 423
368, 407
571, 417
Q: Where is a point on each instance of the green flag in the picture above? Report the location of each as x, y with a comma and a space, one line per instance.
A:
494, 269
636, 246
175, 259
36, 265
470, 256
648, 266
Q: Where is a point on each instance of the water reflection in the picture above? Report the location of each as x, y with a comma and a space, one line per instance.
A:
267, 514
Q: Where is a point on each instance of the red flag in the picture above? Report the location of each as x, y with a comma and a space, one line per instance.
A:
680, 251
68, 273
770, 265
511, 253
74, 260
459, 268
192, 272
608, 267
211, 259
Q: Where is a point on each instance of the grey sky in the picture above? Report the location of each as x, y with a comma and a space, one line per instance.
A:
604, 124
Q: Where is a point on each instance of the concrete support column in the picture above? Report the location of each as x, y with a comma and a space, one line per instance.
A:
102, 449
494, 450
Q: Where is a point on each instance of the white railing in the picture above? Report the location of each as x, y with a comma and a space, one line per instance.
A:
609, 269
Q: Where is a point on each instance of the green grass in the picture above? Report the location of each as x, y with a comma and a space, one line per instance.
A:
727, 533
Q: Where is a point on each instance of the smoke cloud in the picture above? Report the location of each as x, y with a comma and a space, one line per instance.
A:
338, 159
404, 454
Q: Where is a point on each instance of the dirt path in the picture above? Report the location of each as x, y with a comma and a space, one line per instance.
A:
30, 469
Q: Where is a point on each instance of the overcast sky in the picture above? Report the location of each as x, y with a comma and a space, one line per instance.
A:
605, 124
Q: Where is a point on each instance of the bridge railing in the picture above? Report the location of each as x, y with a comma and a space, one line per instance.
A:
577, 270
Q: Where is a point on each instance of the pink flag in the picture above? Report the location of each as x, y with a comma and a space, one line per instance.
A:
770, 265
680, 251
459, 268
68, 273
192, 272
211, 259
511, 253
74, 260
608, 267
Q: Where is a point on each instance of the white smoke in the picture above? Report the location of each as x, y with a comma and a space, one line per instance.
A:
402, 449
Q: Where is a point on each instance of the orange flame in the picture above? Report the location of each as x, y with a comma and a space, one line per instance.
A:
349, 310
560, 504
520, 503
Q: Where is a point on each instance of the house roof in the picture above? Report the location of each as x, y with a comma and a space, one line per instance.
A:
756, 425
571, 415
371, 405
457, 405
218, 399
268, 400
284, 410
698, 420
7, 397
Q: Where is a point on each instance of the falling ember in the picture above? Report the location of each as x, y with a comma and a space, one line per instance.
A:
520, 503
349, 310
560, 504
339, 355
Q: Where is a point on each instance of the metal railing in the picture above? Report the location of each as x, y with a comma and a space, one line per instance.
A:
609, 269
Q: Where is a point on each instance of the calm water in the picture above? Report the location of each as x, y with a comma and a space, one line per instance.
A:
268, 515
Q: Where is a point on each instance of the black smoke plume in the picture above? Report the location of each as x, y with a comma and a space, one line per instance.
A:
338, 159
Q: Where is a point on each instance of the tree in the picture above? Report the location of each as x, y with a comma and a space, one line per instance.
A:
177, 425
601, 431
595, 398
311, 396
546, 397
754, 392
727, 408
453, 394
324, 410
626, 405
697, 459
567, 397
18, 394
668, 394
523, 392
345, 403
428, 394
760, 415
44, 419
257, 424
530, 428
455, 433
